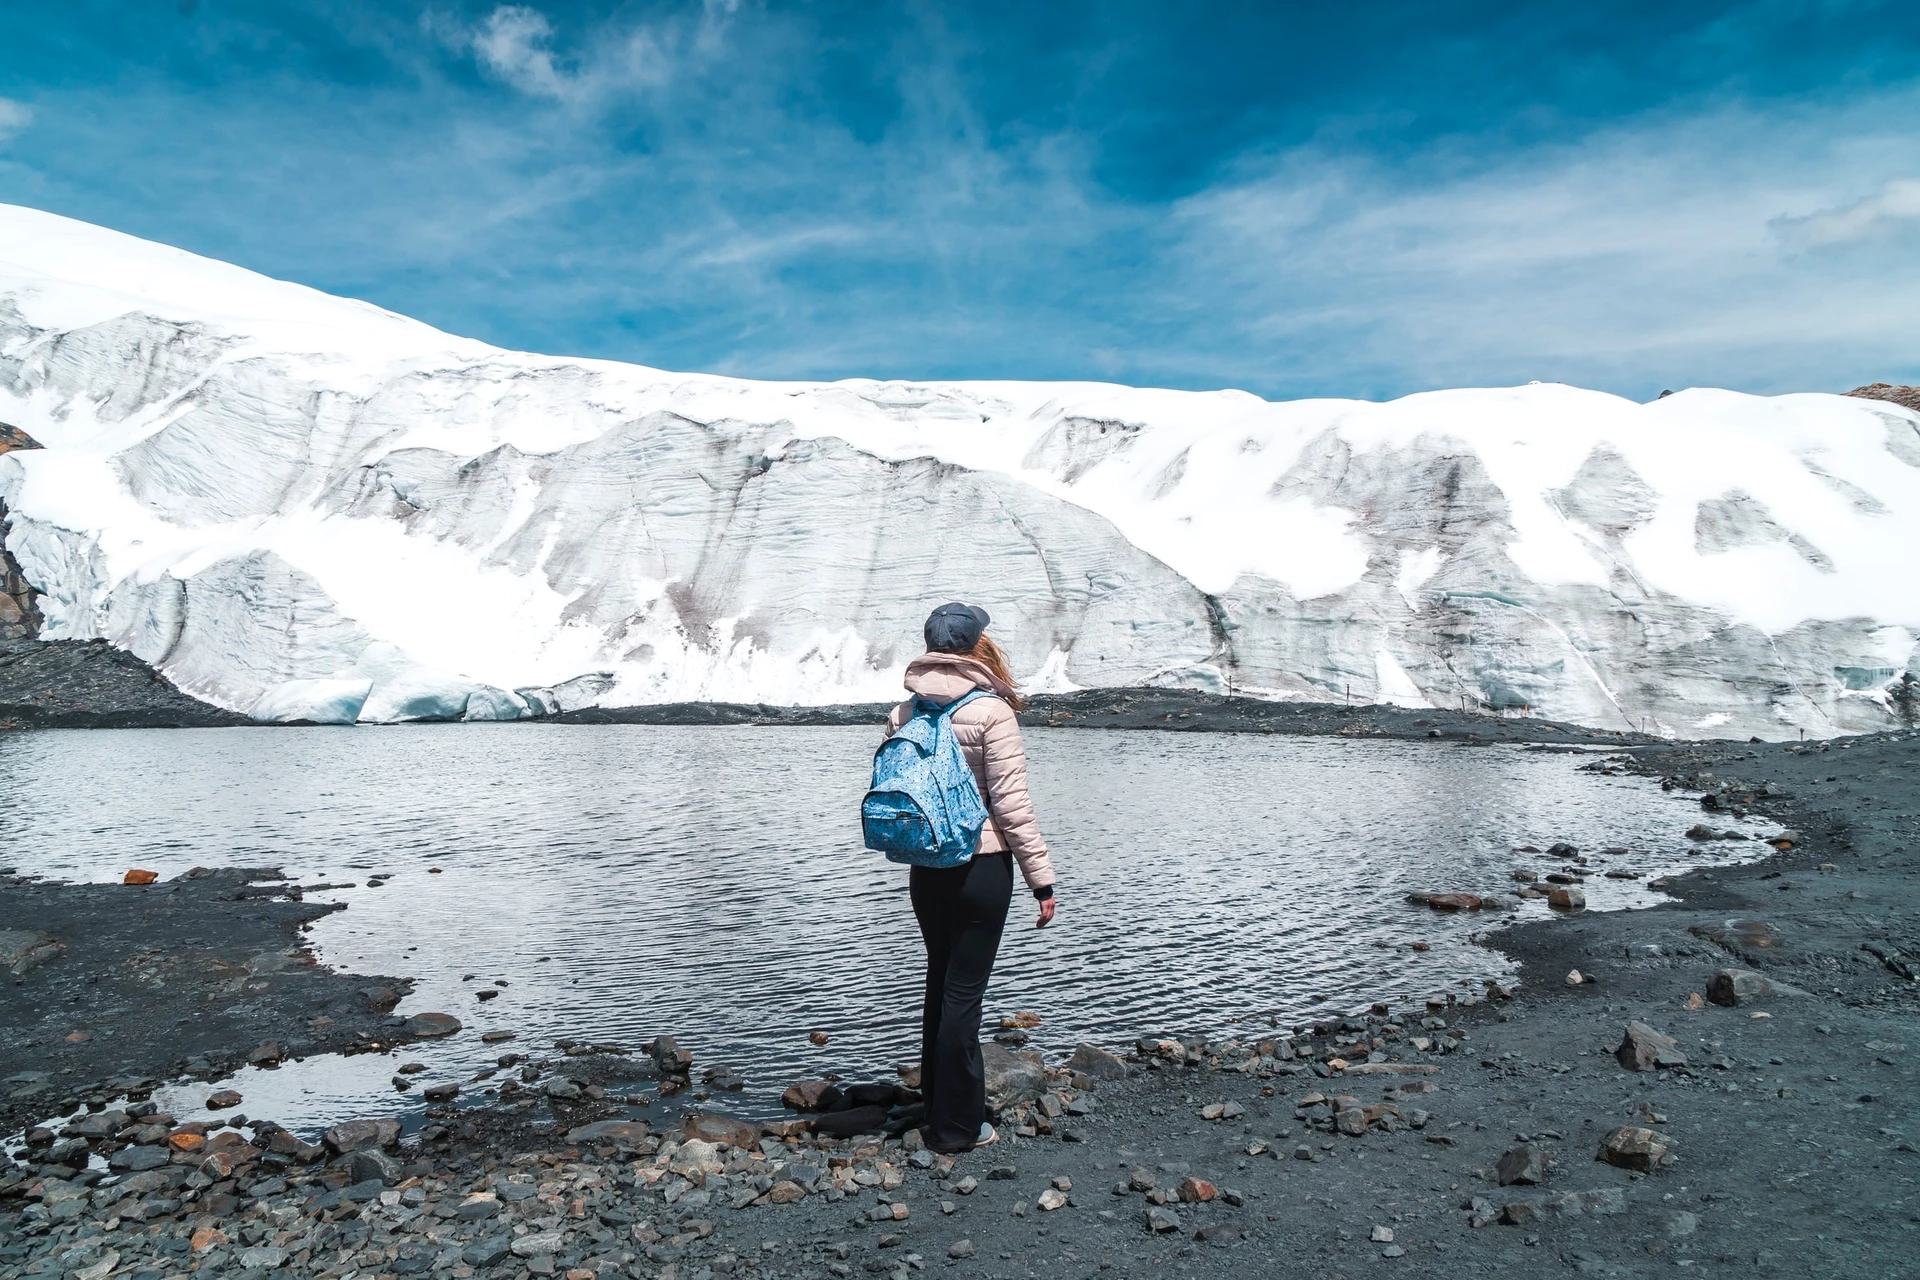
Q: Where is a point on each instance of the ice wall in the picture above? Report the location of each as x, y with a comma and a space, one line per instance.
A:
305, 507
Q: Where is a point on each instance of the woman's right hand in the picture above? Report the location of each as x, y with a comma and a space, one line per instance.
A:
1046, 911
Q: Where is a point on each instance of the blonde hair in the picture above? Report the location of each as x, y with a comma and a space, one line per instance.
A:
994, 659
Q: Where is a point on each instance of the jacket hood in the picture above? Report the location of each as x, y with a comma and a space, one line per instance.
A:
943, 677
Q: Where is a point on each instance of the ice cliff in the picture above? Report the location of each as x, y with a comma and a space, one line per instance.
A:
304, 507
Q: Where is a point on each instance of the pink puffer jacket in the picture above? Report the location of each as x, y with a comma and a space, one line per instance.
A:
989, 736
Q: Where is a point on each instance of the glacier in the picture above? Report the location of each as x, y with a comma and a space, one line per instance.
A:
304, 507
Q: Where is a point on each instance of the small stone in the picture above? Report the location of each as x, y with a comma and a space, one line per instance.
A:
708, 1127
140, 876
1382, 1235
497, 1037
355, 1135
1524, 1165
1642, 1049
1161, 1220
628, 1134
1303, 1152
1633, 1148
1575, 977
1525, 875
1002, 1173
960, 1249
267, 1055
1393, 1251
967, 1185
1351, 1121
445, 1091
1197, 1191
220, 1099
477, 1207
432, 1026
538, 1244
784, 1192
1051, 1199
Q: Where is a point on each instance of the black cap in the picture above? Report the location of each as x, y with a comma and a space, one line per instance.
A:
955, 627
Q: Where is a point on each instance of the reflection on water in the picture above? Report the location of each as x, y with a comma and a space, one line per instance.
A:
708, 882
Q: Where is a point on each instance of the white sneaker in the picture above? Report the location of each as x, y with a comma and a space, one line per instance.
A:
987, 1137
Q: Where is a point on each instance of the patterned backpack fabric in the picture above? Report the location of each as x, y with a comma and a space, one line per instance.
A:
924, 808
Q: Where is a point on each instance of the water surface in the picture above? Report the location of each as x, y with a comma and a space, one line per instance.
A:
628, 880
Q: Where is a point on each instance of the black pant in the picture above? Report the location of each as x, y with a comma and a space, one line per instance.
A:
962, 912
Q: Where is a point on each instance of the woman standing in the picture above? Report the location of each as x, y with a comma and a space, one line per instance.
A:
963, 910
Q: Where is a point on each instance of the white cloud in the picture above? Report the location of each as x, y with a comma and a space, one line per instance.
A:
1662, 251
14, 116
1896, 206
517, 45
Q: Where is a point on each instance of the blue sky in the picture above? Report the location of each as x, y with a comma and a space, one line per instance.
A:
1315, 199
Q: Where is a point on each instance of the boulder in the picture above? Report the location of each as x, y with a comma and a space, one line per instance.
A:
359, 1135
669, 1056
1642, 1049
1732, 987
1630, 1147
695, 1155
1454, 901
1013, 1077
1524, 1165
708, 1127
872, 1094
138, 1159
25, 949
431, 1026
852, 1121
370, 1164
1567, 899
1097, 1062
1197, 1191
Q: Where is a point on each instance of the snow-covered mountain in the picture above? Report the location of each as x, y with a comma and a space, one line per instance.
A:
301, 506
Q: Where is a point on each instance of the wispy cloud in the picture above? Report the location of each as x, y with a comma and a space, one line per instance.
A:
1662, 248
748, 190
14, 116
1891, 210
521, 47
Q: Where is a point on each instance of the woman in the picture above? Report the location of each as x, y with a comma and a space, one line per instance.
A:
962, 910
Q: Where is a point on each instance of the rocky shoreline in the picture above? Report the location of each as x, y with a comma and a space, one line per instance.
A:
1624, 1124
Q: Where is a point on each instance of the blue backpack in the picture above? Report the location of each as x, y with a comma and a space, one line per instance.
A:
924, 808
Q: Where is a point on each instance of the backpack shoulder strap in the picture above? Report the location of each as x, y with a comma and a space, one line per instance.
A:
964, 699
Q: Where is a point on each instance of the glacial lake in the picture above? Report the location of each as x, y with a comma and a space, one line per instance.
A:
709, 882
